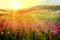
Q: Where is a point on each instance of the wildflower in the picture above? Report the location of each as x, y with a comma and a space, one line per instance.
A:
58, 24
0, 29
54, 31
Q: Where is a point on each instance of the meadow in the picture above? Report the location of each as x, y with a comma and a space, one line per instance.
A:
32, 25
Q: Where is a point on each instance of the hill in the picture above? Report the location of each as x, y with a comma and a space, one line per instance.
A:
36, 13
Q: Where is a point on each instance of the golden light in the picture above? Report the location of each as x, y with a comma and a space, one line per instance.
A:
15, 5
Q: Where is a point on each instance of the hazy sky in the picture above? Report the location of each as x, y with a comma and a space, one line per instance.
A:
52, 2
9, 4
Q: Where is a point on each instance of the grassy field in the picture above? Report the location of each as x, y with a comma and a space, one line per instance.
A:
38, 15
32, 25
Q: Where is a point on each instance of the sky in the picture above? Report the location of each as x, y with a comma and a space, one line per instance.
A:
52, 2
16, 4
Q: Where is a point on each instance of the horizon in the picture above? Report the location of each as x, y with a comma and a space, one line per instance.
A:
22, 4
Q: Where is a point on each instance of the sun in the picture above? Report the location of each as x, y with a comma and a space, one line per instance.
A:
15, 5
